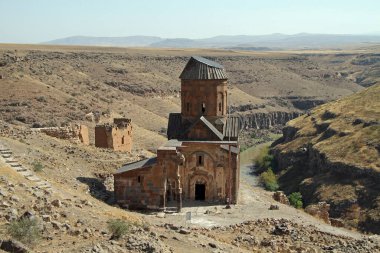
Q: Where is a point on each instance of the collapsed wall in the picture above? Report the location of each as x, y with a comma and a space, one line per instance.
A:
76, 133
116, 135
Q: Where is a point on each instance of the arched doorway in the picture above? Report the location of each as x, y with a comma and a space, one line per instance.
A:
200, 191
198, 188
171, 190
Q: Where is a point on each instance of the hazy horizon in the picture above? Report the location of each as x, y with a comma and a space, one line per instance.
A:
218, 35
42, 20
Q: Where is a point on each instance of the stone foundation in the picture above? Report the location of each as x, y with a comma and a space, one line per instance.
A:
76, 133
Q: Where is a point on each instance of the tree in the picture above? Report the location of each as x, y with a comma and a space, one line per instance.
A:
295, 199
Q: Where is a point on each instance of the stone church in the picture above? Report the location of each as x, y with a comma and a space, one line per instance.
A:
200, 161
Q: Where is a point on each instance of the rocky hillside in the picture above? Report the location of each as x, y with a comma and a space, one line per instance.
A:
67, 187
71, 221
53, 86
332, 154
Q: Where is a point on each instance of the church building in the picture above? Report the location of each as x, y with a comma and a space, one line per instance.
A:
200, 161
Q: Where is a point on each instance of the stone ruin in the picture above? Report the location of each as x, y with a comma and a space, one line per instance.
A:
320, 210
116, 135
280, 196
75, 133
93, 117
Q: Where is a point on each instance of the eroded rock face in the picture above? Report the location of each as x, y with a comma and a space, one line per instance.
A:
331, 155
13, 246
280, 196
320, 210
267, 120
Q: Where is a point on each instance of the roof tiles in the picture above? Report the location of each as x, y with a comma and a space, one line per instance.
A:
199, 68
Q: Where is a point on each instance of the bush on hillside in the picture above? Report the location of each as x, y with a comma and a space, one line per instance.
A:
118, 228
295, 199
37, 166
269, 180
264, 160
25, 230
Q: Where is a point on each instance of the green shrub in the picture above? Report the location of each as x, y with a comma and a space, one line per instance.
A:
37, 166
295, 199
118, 228
269, 180
25, 230
264, 160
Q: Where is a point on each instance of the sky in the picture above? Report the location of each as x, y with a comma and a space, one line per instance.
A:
35, 21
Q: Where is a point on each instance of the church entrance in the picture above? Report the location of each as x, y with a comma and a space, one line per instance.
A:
200, 191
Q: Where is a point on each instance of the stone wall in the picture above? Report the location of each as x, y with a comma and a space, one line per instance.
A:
212, 94
148, 187
75, 133
137, 189
116, 136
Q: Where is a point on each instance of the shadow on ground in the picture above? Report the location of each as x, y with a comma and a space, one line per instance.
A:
97, 189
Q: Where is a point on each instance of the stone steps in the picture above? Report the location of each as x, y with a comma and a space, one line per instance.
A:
11, 160
6, 154
26, 173
19, 169
33, 178
43, 185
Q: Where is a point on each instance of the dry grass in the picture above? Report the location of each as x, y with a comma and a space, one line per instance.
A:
351, 134
143, 83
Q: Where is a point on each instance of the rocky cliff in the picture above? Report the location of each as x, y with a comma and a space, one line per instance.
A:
267, 120
332, 154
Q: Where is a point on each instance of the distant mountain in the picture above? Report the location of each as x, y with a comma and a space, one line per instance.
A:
130, 41
248, 42
181, 42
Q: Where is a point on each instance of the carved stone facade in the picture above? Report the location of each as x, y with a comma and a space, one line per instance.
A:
200, 161
116, 136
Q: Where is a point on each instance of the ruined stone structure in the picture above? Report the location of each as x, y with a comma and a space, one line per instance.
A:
75, 133
200, 161
320, 210
116, 136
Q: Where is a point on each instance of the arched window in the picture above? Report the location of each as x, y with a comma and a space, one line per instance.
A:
122, 140
200, 160
221, 103
203, 107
